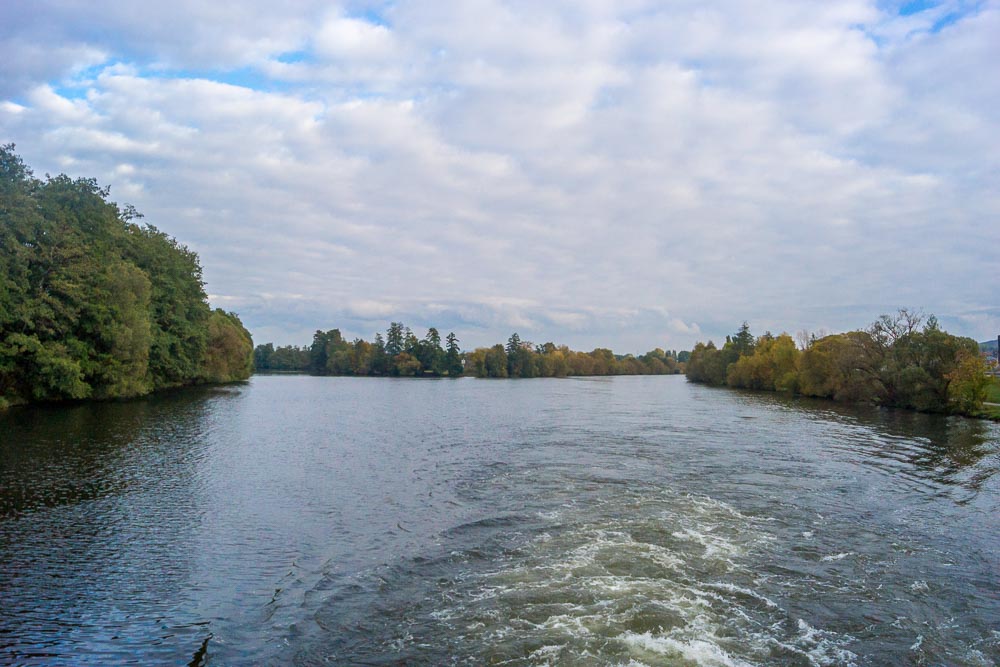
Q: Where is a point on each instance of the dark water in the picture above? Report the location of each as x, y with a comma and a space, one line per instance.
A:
626, 521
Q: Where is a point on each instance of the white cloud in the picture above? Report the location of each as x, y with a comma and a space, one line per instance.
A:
596, 173
353, 39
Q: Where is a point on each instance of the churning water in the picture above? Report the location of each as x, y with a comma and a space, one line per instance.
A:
612, 521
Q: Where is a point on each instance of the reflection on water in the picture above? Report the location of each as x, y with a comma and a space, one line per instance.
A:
70, 455
97, 507
612, 521
947, 451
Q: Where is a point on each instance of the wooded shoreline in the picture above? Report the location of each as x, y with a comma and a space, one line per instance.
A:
903, 361
402, 354
94, 305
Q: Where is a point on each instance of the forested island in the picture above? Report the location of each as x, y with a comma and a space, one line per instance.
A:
900, 360
94, 305
401, 353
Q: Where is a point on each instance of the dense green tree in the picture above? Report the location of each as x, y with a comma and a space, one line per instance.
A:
430, 354
411, 344
380, 357
496, 362
289, 358
709, 364
742, 341
918, 368
262, 357
394, 339
453, 356
229, 354
91, 303
179, 327
515, 356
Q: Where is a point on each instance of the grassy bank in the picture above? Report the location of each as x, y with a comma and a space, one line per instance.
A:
993, 391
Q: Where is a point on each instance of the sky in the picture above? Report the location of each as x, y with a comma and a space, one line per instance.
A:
623, 174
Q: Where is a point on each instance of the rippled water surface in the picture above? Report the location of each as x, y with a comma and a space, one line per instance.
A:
611, 521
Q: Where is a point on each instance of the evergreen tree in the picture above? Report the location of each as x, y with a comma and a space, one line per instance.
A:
394, 339
453, 356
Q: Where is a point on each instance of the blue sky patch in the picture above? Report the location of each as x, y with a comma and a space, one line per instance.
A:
916, 6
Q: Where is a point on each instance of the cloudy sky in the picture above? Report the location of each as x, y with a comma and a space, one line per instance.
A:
621, 173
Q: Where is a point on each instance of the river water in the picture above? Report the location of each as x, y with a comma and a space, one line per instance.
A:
602, 521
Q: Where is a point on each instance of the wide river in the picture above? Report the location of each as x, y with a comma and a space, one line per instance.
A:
603, 521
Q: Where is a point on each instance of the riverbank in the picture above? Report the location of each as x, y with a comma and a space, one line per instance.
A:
899, 361
97, 306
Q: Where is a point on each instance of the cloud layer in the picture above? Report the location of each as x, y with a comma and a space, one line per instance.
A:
626, 174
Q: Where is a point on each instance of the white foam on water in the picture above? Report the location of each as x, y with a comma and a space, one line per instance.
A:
977, 657
733, 588
916, 644
835, 557
673, 584
824, 648
546, 653
716, 547
919, 586
698, 651
575, 625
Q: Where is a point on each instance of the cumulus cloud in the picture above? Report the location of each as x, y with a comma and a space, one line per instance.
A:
353, 39
623, 174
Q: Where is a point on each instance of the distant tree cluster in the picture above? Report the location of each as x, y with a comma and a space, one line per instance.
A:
898, 361
93, 305
521, 359
401, 353
398, 353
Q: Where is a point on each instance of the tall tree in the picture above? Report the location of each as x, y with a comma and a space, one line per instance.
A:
394, 339
380, 358
453, 355
431, 354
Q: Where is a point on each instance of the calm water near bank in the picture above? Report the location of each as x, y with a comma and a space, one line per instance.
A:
598, 521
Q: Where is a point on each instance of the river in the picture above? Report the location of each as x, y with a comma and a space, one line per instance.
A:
599, 521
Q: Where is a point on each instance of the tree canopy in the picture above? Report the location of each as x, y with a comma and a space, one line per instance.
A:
900, 360
94, 305
402, 353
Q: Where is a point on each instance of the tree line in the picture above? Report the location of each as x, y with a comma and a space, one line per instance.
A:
401, 353
900, 360
95, 305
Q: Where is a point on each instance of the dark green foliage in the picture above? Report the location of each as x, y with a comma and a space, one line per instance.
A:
262, 356
93, 305
229, 353
521, 359
429, 353
453, 356
180, 311
516, 357
394, 339
708, 364
742, 342
281, 359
